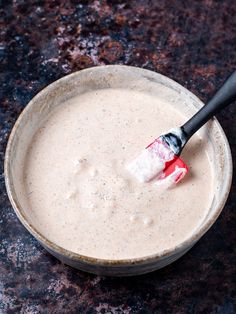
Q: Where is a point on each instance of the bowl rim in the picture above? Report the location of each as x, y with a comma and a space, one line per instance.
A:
112, 262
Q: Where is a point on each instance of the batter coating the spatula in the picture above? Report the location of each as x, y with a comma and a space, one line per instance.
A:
81, 194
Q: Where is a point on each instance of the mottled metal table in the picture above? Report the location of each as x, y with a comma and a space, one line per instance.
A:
193, 42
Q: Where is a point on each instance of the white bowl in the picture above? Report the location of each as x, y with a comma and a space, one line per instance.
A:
114, 76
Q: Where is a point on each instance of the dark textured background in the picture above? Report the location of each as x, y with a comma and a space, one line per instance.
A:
193, 42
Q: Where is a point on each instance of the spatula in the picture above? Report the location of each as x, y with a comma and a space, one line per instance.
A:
160, 160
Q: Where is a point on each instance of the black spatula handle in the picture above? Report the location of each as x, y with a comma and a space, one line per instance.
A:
224, 96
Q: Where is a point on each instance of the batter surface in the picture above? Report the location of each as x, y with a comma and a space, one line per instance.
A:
80, 193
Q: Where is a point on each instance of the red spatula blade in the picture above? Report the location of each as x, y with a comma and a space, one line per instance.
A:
173, 173
159, 162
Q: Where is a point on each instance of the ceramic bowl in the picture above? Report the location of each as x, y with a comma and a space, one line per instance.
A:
114, 76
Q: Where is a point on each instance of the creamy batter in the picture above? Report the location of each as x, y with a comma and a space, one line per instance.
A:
80, 193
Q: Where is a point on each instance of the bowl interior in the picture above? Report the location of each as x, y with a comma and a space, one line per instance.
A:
112, 77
